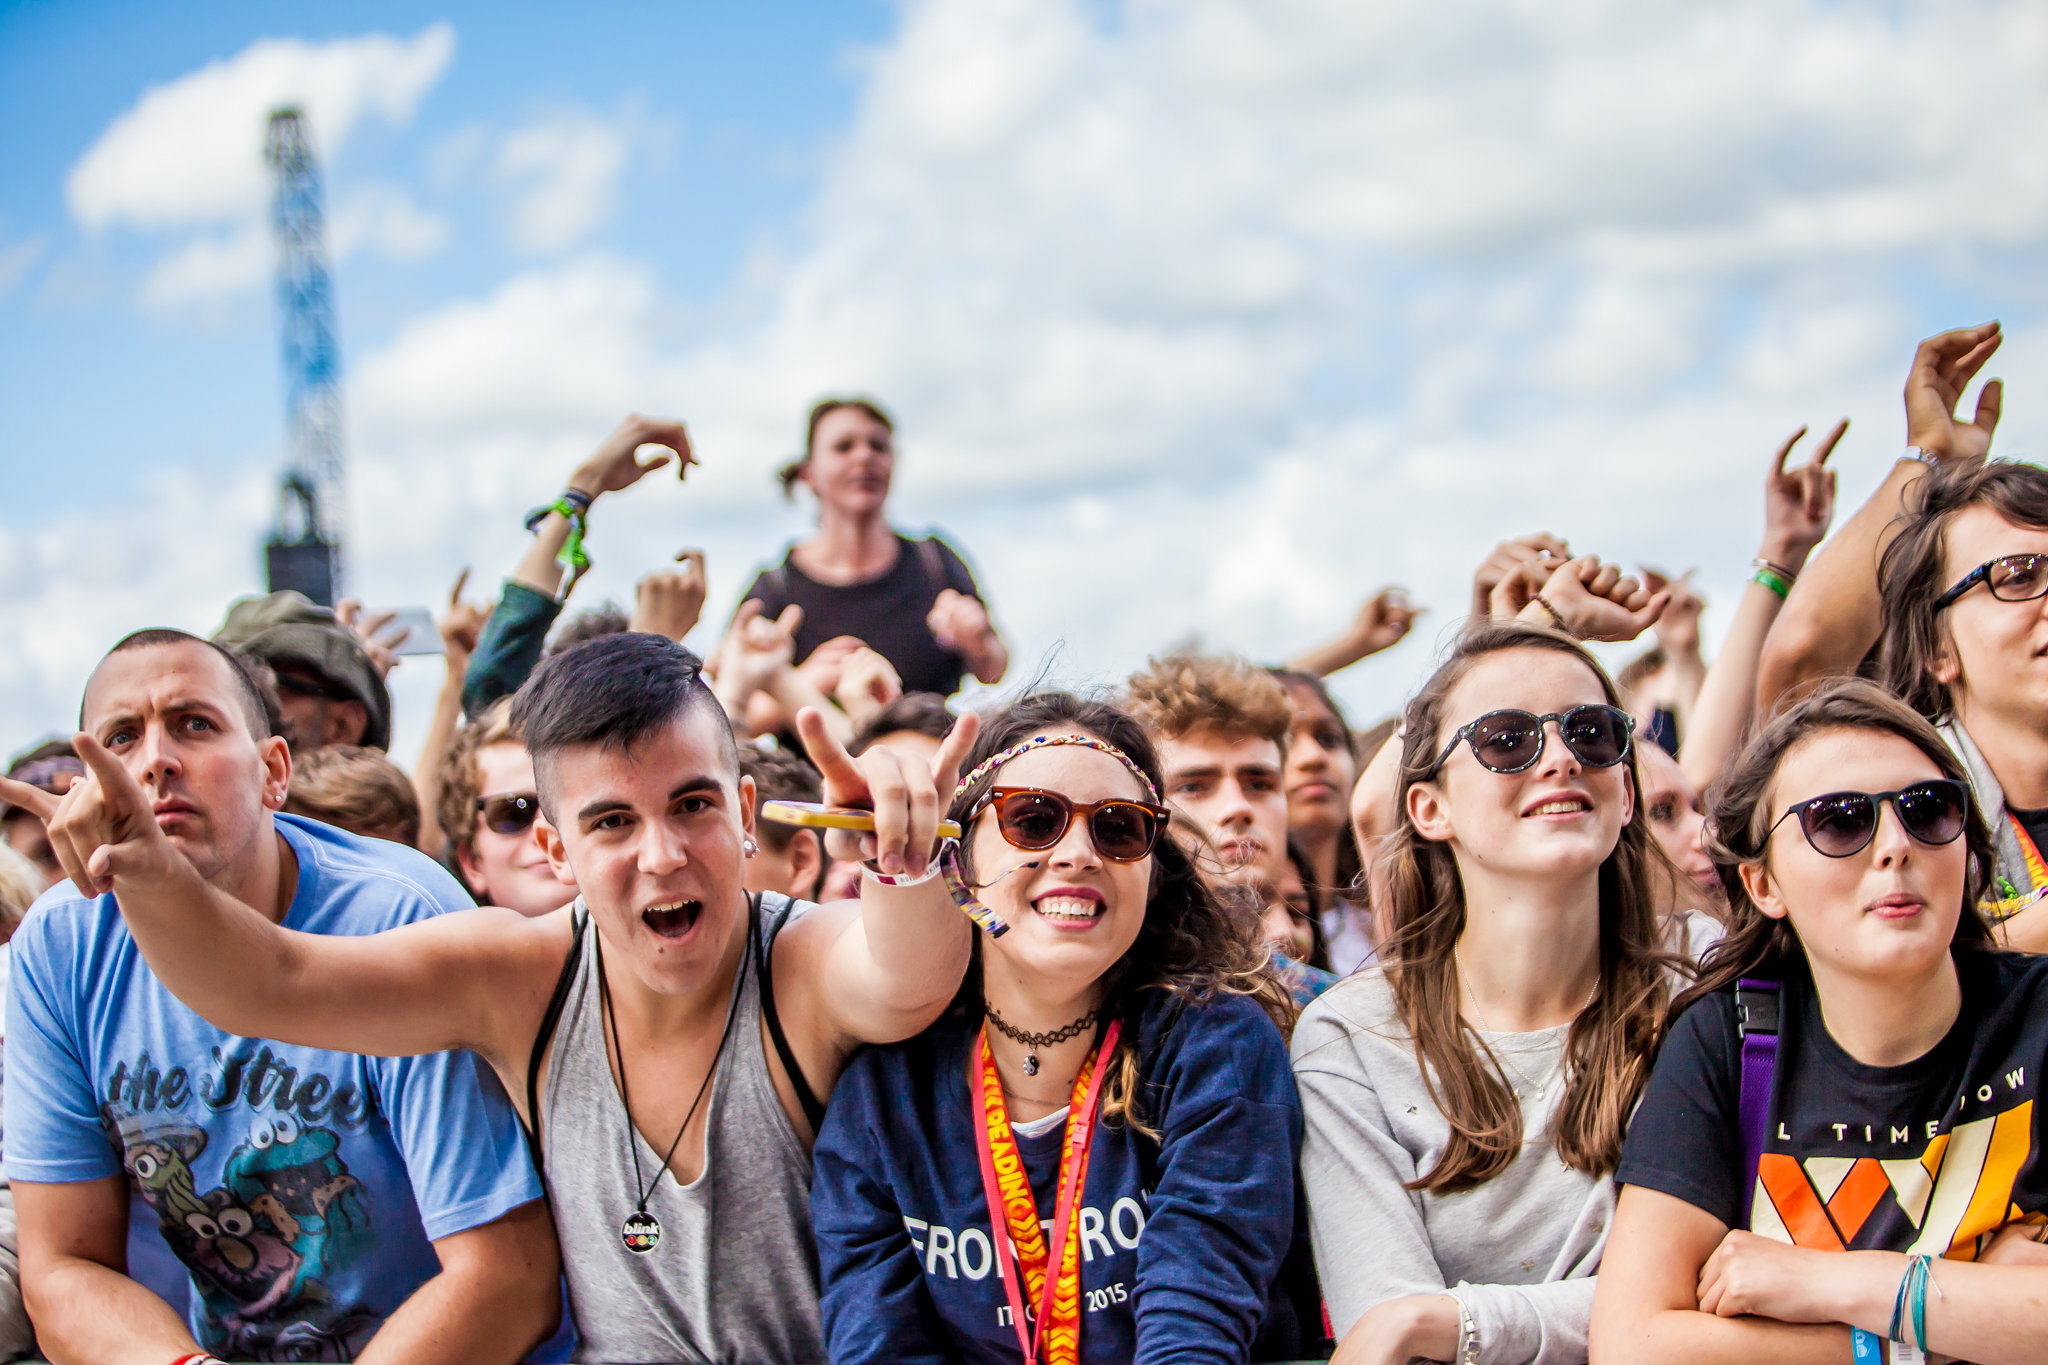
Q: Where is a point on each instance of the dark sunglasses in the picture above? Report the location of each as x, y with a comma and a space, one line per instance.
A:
1512, 741
1840, 824
2009, 578
305, 687
1034, 820
512, 813
49, 773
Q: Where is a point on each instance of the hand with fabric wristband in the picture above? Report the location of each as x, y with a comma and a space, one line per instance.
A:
574, 508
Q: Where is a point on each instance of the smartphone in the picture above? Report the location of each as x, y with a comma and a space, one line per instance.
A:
812, 815
416, 627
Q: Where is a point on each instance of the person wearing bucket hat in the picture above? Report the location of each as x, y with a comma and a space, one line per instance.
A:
327, 688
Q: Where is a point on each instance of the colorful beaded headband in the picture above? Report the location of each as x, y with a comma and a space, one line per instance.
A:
994, 761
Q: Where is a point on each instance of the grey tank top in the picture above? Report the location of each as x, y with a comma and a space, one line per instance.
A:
734, 1277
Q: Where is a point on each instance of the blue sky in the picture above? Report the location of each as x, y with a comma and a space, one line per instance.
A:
1272, 302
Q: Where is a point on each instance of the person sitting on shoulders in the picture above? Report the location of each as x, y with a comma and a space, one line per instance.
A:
1466, 1096
1838, 1155
861, 582
1090, 1157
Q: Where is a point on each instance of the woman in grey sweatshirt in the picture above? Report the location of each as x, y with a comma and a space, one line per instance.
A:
1466, 1099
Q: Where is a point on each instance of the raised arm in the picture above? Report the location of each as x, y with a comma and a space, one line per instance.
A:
960, 622
460, 629
1383, 622
1832, 617
880, 969
1798, 506
426, 987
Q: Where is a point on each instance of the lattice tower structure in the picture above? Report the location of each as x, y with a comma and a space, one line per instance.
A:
305, 550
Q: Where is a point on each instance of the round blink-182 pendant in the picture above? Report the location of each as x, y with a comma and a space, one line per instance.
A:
640, 1232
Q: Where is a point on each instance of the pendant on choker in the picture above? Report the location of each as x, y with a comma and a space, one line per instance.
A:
1031, 1064
641, 1232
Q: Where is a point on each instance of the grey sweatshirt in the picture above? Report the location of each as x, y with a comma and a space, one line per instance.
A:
1519, 1251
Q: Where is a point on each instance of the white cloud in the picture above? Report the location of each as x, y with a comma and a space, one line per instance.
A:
210, 267
384, 218
565, 165
1246, 309
191, 151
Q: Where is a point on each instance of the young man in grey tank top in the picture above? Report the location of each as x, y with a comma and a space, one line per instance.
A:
645, 808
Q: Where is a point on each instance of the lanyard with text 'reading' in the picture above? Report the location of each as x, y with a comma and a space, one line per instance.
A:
1056, 1326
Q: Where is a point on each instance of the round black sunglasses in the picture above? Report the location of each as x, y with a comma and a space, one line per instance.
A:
1511, 741
1842, 824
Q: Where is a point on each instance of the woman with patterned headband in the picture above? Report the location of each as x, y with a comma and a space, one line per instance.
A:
1091, 1156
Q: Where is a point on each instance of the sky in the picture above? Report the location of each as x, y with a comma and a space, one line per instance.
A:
1201, 320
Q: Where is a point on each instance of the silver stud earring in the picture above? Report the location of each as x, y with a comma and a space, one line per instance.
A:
749, 847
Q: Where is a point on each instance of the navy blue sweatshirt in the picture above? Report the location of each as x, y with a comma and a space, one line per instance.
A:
1182, 1239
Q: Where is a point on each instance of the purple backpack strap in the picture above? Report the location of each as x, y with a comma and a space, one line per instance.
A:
1756, 1021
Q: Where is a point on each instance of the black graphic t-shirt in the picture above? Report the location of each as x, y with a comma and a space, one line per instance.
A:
1931, 1156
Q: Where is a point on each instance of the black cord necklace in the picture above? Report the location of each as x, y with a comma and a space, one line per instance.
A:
642, 1230
1035, 1041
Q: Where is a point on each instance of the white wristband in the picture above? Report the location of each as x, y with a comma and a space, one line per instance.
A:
931, 870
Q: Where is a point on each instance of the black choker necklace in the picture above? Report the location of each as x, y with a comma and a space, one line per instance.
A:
1035, 1041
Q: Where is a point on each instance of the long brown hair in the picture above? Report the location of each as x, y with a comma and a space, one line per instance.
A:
1609, 1048
1740, 822
1189, 945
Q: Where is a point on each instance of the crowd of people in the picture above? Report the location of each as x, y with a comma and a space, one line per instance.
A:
771, 1007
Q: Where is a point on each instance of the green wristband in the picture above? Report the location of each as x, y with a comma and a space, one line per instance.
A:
1773, 580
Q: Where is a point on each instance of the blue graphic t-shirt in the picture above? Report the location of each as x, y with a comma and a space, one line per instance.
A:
301, 1189
1183, 1239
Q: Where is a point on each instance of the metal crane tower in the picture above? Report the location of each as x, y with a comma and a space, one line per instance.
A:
304, 549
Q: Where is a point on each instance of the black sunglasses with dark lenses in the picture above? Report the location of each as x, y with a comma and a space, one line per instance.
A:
510, 814
1841, 824
2009, 578
1512, 741
1035, 820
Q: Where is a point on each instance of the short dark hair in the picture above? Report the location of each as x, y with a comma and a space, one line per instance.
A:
258, 702
923, 713
1910, 575
612, 692
779, 775
355, 788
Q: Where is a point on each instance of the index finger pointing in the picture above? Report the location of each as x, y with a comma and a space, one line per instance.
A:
1778, 460
842, 776
120, 794
1829, 442
34, 800
455, 593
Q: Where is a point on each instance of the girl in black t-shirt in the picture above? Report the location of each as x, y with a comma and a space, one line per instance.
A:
860, 582
1896, 1120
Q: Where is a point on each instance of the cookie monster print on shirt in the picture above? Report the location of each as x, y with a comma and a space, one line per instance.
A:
301, 1189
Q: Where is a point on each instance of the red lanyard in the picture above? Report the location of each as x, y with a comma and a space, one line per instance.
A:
1057, 1324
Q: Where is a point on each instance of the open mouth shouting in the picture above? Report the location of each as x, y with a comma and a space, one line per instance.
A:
674, 920
1071, 907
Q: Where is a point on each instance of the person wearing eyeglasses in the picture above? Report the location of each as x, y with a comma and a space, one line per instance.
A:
1856, 1071
1466, 1095
1957, 610
1090, 1156
489, 805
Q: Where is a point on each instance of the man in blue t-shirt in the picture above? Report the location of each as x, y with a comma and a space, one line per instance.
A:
324, 1204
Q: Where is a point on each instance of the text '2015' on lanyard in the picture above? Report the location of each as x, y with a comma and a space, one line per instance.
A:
1055, 1332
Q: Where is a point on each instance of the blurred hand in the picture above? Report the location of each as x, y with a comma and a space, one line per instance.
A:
867, 683
958, 622
670, 601
2017, 1244
1383, 622
383, 651
756, 649
1597, 601
616, 464
908, 798
1678, 629
1942, 368
462, 626
827, 661
1799, 504
1541, 550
